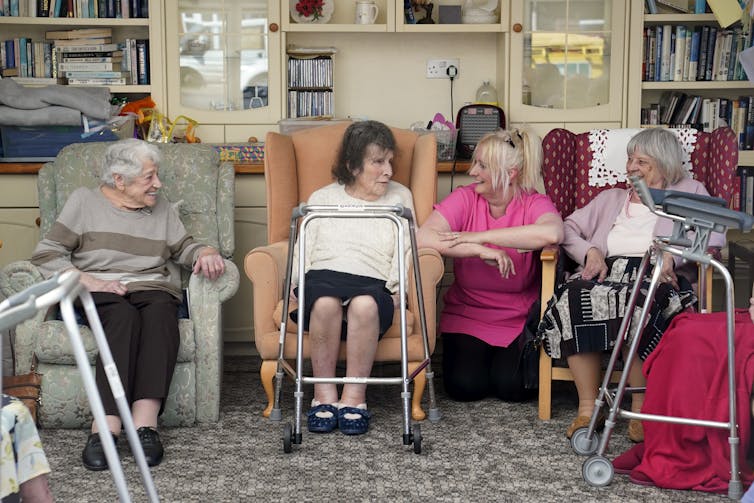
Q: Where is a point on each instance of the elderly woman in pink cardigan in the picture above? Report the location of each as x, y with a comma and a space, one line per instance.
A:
608, 238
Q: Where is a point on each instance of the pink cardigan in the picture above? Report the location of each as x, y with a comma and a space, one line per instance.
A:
588, 227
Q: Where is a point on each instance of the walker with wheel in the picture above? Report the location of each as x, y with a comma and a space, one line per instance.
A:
689, 212
400, 216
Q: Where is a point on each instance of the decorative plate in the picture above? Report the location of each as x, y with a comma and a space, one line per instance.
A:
328, 7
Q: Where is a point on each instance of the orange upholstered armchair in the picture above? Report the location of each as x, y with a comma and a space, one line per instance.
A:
576, 167
294, 167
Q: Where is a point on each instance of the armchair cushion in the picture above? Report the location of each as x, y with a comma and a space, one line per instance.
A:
202, 188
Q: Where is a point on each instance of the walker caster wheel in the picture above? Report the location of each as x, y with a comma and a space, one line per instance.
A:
598, 471
582, 445
416, 436
287, 438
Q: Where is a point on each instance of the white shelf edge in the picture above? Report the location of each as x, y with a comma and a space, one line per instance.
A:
74, 21
709, 85
679, 18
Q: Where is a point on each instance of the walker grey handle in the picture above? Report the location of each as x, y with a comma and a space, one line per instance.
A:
18, 313
34, 290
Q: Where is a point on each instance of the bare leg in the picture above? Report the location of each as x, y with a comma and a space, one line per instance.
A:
36, 490
324, 333
363, 332
586, 375
145, 412
113, 424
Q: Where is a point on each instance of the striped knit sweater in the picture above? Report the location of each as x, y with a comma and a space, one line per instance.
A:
141, 249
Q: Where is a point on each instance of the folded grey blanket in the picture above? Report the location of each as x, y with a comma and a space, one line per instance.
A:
91, 101
47, 116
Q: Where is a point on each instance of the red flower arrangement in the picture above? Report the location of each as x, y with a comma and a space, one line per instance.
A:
310, 8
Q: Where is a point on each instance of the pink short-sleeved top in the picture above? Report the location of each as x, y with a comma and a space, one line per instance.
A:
480, 302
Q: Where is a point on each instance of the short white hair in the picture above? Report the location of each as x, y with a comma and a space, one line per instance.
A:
126, 158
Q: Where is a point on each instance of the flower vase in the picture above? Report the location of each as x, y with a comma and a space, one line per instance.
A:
311, 11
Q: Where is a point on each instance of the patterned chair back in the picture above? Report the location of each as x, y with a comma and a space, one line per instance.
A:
568, 158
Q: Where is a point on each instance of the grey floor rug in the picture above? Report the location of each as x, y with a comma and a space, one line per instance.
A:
484, 451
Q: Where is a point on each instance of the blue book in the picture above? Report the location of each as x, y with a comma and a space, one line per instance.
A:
733, 58
651, 7
23, 68
700, 6
694, 53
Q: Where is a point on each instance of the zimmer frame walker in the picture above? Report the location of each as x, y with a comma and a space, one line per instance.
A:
64, 288
689, 212
396, 214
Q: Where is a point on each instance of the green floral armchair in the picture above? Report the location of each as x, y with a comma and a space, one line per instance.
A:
202, 188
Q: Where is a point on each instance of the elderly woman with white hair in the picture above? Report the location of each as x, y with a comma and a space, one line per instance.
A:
125, 238
608, 238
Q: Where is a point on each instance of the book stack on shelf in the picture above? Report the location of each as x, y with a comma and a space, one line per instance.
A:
75, 8
310, 82
87, 56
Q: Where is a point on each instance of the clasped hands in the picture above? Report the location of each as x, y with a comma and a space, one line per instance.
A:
494, 257
596, 268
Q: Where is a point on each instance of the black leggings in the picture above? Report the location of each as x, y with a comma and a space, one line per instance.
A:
473, 370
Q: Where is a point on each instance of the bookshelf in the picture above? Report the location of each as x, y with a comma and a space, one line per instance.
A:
310, 81
149, 28
645, 93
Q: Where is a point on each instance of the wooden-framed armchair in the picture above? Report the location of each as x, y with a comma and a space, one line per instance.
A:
567, 160
202, 186
297, 165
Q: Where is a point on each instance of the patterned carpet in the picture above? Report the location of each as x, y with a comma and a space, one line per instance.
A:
485, 451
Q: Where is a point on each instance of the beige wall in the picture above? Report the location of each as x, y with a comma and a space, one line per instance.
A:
381, 76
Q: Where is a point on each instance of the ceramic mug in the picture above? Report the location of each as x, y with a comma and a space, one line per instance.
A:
366, 12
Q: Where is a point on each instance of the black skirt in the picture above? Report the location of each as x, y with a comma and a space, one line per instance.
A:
345, 286
584, 316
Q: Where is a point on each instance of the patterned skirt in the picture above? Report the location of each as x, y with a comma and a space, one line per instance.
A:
584, 316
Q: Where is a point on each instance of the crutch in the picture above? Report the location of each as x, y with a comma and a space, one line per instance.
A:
63, 289
411, 434
703, 215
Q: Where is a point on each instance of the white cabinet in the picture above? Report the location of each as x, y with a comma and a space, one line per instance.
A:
223, 61
19, 212
567, 61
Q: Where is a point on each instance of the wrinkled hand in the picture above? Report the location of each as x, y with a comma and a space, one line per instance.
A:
209, 263
396, 300
595, 267
667, 275
500, 259
99, 285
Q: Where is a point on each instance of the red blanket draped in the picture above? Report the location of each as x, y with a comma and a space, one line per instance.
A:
687, 377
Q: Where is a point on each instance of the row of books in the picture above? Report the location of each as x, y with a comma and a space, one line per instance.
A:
707, 114
687, 53
310, 104
314, 72
90, 64
75, 8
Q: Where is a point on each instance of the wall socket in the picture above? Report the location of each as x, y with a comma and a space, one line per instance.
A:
437, 68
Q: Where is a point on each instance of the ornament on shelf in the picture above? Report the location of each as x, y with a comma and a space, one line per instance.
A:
312, 11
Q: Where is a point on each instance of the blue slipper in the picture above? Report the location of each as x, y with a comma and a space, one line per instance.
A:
357, 426
317, 424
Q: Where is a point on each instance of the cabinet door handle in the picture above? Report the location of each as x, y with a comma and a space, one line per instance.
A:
274, 27
517, 27
38, 221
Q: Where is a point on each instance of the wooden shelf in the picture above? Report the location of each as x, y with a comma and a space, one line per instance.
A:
257, 168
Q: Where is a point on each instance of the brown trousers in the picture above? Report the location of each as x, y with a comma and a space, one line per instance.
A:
142, 331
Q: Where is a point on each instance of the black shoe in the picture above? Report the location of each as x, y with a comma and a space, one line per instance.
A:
93, 455
151, 444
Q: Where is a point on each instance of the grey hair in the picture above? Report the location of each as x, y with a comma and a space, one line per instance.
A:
664, 147
126, 158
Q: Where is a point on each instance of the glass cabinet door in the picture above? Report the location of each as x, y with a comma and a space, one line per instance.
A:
570, 54
223, 60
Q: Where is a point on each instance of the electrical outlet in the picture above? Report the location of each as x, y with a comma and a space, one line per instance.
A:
438, 68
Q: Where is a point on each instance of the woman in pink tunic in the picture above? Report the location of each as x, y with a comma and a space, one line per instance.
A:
489, 228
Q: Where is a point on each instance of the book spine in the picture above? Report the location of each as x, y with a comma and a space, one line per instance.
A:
667, 36
658, 53
749, 142
651, 6
680, 53
142, 62
703, 44
65, 66
694, 54
92, 75
711, 44
700, 6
